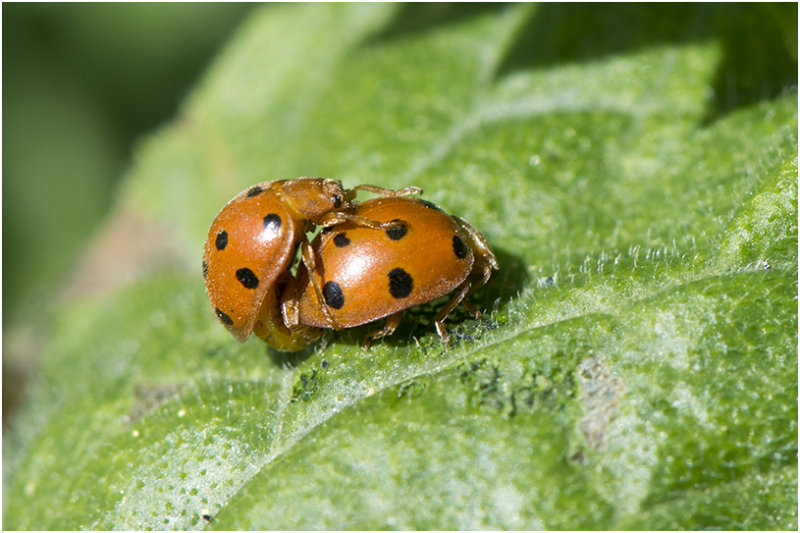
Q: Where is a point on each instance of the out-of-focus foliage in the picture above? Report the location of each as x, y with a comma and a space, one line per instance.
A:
635, 168
80, 82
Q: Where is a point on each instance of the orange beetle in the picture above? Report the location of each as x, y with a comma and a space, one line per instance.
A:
251, 246
418, 254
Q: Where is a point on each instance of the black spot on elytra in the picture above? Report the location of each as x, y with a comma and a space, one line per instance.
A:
255, 191
341, 240
272, 222
225, 319
397, 230
428, 204
400, 283
222, 240
247, 278
459, 247
333, 295
205, 269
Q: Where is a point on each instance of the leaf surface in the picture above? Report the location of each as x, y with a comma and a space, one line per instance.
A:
636, 366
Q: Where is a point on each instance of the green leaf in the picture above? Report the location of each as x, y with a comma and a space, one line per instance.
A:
636, 366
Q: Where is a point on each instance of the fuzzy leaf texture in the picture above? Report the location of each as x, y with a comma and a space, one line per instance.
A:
634, 168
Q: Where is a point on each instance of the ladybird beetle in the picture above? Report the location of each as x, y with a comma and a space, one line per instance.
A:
419, 254
252, 243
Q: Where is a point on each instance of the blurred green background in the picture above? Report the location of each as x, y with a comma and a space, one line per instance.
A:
81, 82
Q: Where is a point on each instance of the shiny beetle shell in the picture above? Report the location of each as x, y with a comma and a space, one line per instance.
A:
253, 241
367, 274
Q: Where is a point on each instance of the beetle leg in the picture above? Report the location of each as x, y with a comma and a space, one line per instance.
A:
291, 314
310, 262
471, 308
479, 243
333, 218
290, 306
405, 191
485, 261
442, 314
392, 321
271, 328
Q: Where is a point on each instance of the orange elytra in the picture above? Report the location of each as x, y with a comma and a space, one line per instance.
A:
418, 254
251, 246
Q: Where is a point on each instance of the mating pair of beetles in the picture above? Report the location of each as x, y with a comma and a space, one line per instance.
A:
372, 259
